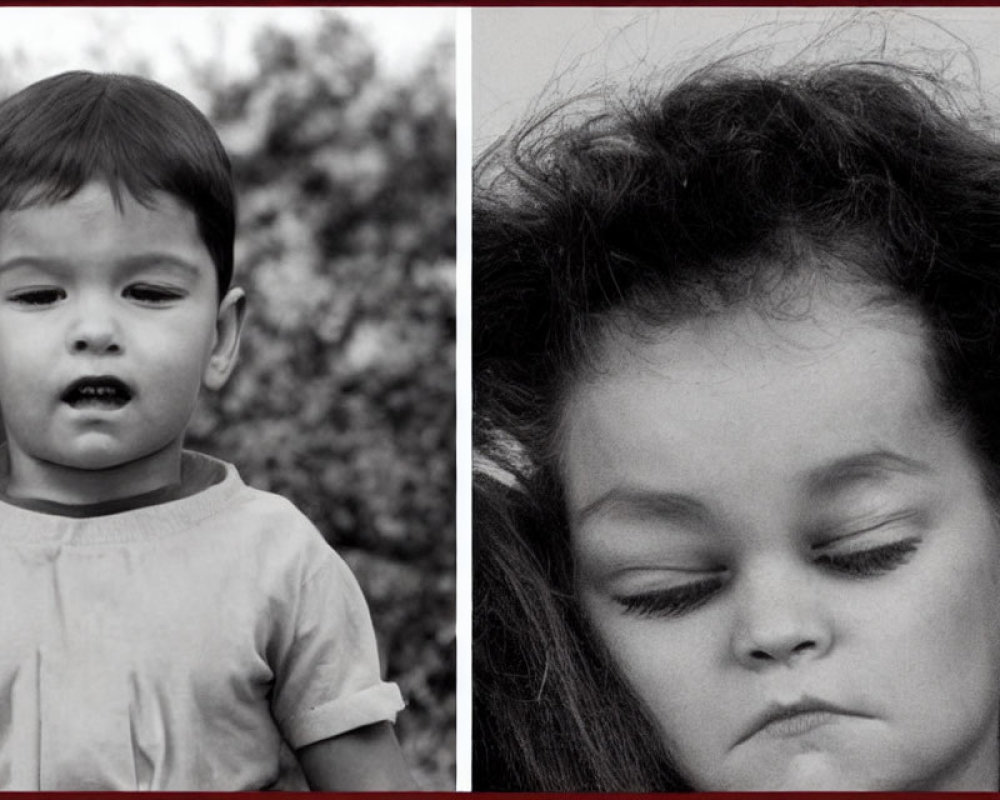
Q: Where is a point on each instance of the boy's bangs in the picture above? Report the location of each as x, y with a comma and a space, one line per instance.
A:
58, 174
134, 135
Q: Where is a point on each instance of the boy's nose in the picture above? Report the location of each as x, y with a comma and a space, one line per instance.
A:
95, 334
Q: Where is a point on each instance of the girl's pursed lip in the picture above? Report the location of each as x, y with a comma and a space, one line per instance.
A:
800, 723
782, 720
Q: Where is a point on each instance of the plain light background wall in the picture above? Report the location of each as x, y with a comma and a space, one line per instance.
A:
520, 53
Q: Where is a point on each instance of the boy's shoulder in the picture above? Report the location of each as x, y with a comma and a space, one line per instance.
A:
263, 519
222, 488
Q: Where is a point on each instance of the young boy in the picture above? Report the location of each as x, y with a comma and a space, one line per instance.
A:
166, 627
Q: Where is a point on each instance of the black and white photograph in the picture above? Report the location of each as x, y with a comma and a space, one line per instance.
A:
539, 399
736, 367
227, 391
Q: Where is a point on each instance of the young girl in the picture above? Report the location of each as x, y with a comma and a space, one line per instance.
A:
736, 364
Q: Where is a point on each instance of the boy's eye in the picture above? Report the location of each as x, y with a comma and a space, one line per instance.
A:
42, 296
872, 561
673, 601
152, 295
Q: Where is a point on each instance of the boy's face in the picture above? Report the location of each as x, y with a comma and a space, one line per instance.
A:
109, 324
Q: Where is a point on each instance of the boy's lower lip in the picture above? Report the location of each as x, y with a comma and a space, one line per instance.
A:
97, 404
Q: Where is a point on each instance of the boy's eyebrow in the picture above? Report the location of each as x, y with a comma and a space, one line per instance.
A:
132, 262
27, 261
143, 260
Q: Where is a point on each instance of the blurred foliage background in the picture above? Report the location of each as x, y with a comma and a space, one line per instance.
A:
344, 397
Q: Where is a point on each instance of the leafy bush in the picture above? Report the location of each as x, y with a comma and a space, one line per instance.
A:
344, 397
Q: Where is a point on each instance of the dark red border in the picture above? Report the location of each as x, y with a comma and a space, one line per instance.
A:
698, 3
484, 795
529, 4
521, 4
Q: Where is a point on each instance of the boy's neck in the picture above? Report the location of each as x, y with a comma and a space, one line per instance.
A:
33, 479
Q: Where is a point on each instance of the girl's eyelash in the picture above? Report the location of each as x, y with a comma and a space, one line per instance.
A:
678, 600
671, 602
871, 562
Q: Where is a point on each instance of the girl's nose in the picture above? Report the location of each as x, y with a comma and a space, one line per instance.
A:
780, 619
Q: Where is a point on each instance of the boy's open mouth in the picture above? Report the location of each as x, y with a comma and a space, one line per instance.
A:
103, 391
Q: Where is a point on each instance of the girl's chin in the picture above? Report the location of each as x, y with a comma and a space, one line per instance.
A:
803, 772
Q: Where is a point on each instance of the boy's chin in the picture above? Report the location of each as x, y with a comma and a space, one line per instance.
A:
92, 468
94, 462
103, 456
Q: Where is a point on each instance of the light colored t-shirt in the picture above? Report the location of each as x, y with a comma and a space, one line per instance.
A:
188, 645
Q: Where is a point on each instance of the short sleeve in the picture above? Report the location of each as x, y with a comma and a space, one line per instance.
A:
327, 679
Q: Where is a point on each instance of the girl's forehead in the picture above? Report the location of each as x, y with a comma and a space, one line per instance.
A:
742, 395
799, 329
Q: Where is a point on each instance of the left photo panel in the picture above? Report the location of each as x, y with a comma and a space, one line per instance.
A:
227, 393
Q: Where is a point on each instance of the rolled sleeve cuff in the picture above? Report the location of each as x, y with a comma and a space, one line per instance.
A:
375, 704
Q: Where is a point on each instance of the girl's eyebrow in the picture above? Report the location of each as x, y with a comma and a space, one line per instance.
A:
875, 466
625, 502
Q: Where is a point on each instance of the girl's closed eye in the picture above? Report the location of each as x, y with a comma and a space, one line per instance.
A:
850, 560
37, 296
152, 294
873, 549
672, 601
872, 561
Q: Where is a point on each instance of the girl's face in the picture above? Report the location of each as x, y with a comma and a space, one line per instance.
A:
789, 553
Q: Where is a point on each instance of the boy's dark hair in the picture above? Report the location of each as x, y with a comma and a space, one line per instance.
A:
136, 135
670, 205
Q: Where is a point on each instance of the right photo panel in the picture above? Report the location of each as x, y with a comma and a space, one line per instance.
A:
736, 366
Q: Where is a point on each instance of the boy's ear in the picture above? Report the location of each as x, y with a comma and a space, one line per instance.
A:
228, 327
